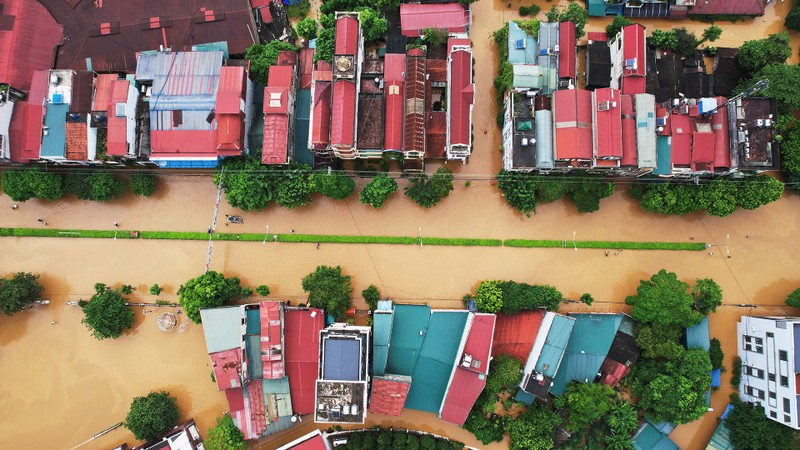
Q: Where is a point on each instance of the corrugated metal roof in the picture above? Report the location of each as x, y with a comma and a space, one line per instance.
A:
415, 18
54, 142
646, 130
102, 91
275, 149
719, 123
588, 346
606, 111
555, 344
698, 336
381, 334
522, 47
408, 330
222, 327
394, 91
343, 115
311, 441
514, 334
389, 394
28, 41
227, 367
117, 137
277, 397
572, 111
664, 150
181, 80
629, 157
347, 35
341, 357
566, 55
648, 438
33, 120
527, 76
727, 7
271, 340
301, 335
461, 93
436, 360
414, 132
321, 115
543, 121
721, 440
229, 92
633, 50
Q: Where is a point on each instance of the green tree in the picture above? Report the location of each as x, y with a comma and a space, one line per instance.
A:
428, 192
19, 291
485, 429
22, 184
550, 190
152, 416
155, 289
587, 404
736, 372
616, 26
529, 10
534, 429
143, 184
262, 290
587, 192
371, 296
225, 436
97, 186
328, 289
574, 12
793, 299
715, 354
373, 24
757, 191
623, 417
489, 296
208, 290
587, 298
504, 375
707, 296
378, 190
325, 42
247, 185
792, 21
106, 315
434, 37
335, 185
263, 56
774, 49
751, 429
660, 341
522, 296
663, 300
711, 34
519, 190
294, 186
783, 79
307, 28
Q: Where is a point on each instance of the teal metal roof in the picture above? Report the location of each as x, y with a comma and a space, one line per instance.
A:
698, 335
524, 397
522, 47
253, 321
54, 143
408, 331
554, 345
381, 333
588, 347
648, 438
627, 326
721, 440
222, 328
437, 358
596, 8
385, 305
252, 347
301, 122
664, 151
279, 389
527, 76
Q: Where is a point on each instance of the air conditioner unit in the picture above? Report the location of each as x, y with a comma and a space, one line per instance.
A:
604, 106
555, 48
631, 64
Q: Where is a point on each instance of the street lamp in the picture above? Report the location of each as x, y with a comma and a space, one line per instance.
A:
727, 247
420, 237
573, 241
266, 233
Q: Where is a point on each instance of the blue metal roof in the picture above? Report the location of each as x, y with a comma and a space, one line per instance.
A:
341, 359
181, 80
381, 333
187, 163
698, 336
648, 438
555, 345
596, 8
436, 361
522, 47
588, 346
664, 161
222, 327
385, 305
408, 330
716, 377
252, 347
54, 143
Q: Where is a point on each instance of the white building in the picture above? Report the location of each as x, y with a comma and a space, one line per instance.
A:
770, 351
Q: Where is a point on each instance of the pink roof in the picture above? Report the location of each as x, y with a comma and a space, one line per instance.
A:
573, 122
254, 422
229, 92
235, 399
514, 335
612, 372
681, 126
608, 135
343, 116
461, 92
346, 36
394, 80
414, 18
306, 67
274, 148
719, 123
703, 148
102, 91
728, 7
388, 396
301, 336
468, 383
32, 112
629, 157
227, 366
633, 41
28, 41
321, 131
183, 143
271, 340
566, 56
117, 136
597, 36
316, 442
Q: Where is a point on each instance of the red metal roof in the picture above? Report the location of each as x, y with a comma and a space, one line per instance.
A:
301, 336
608, 123
316, 442
346, 36
388, 396
597, 36
235, 399
682, 129
102, 91
271, 339
415, 18
28, 39
182, 143
629, 157
566, 55
414, 135
634, 45
306, 67
321, 113
572, 109
231, 90
728, 7
227, 366
32, 111
256, 413
703, 147
461, 92
611, 372
719, 123
275, 145
514, 335
394, 82
117, 136
468, 382
343, 116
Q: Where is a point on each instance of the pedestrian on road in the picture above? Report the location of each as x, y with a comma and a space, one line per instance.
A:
291, 231
116, 224
317, 245
53, 322
14, 206
747, 236
275, 237
40, 220
209, 230
606, 253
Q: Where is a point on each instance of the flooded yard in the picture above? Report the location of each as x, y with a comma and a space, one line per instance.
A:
60, 380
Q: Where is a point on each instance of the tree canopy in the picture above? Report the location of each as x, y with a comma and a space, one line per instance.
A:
707, 296
534, 429
574, 13
616, 26
225, 436
373, 24
106, 315
755, 54
587, 403
751, 429
519, 190
378, 190
32, 182
428, 192
783, 81
371, 296
143, 184
251, 186
334, 185
793, 299
208, 290
262, 56
664, 300
711, 34
307, 28
715, 354
489, 296
96, 186
329, 289
152, 416
19, 291
660, 341
792, 21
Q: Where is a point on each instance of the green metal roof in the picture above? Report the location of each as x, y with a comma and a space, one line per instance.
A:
301, 122
381, 333
596, 8
648, 438
408, 331
588, 347
436, 360
252, 347
554, 345
527, 76
280, 390
698, 335
664, 151
54, 143
222, 328
721, 440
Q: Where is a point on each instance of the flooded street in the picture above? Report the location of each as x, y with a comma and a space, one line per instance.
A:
60, 379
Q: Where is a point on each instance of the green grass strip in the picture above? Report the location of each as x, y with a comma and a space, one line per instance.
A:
605, 245
339, 239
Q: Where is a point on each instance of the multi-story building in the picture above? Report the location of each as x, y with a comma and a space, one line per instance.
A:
341, 394
770, 351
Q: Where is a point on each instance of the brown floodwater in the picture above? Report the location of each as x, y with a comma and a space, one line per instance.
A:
60, 379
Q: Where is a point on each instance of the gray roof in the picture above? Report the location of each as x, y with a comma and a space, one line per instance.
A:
544, 139
222, 327
645, 105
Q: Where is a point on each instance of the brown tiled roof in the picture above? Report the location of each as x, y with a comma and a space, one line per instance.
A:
437, 70
76, 141
435, 134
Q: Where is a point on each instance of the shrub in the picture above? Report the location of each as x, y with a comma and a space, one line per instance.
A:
143, 184
246, 293
152, 416
489, 296
371, 296
529, 10
736, 373
225, 436
263, 56
307, 28
715, 354
335, 186
485, 429
155, 289
262, 290
434, 37
95, 186
22, 184
298, 10
522, 296
616, 26
587, 298
126, 289
378, 190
